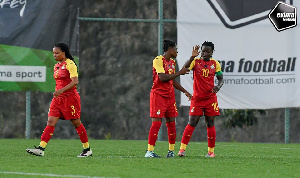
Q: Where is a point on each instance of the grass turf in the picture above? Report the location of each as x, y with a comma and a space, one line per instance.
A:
125, 158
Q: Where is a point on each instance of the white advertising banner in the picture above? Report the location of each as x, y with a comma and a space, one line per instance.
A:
22, 73
261, 66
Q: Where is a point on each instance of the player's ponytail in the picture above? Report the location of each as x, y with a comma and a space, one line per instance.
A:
65, 48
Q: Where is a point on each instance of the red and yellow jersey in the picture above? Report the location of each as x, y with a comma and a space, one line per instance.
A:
203, 74
161, 65
63, 72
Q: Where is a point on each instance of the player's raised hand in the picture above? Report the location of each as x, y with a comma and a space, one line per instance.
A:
196, 51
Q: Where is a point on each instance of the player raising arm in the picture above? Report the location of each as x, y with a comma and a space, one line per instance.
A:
204, 99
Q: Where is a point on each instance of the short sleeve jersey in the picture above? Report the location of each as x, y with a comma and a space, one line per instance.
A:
161, 65
63, 72
203, 74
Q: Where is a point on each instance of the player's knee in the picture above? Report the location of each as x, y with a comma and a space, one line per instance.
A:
210, 123
193, 122
50, 123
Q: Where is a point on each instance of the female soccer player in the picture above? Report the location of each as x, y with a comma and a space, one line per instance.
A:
162, 97
204, 97
66, 101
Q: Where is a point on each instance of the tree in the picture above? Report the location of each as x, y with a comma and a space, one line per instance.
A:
241, 118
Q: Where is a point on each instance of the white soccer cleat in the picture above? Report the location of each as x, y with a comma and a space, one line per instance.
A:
151, 154
35, 151
85, 153
210, 155
181, 153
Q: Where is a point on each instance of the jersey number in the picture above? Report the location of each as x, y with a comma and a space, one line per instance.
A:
205, 72
216, 107
73, 110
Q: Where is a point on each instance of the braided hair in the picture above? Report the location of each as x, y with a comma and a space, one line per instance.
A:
65, 48
168, 44
208, 43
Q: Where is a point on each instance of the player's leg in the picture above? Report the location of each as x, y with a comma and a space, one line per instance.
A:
157, 112
211, 110
171, 127
171, 114
83, 138
46, 136
187, 134
211, 135
152, 137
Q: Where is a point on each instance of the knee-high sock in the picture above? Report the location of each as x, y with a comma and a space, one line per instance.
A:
153, 132
83, 136
211, 138
186, 137
46, 136
171, 135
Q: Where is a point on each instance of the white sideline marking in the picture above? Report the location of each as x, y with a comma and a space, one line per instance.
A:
49, 175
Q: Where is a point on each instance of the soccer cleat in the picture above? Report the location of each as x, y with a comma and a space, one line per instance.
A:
151, 154
37, 151
85, 153
181, 153
210, 154
170, 154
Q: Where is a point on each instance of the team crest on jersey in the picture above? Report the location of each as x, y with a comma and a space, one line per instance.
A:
158, 112
212, 66
192, 110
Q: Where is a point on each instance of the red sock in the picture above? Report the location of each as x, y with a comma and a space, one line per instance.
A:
154, 132
187, 134
171, 132
82, 134
211, 136
47, 133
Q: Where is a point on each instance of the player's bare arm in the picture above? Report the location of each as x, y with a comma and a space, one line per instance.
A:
180, 88
220, 84
166, 77
72, 84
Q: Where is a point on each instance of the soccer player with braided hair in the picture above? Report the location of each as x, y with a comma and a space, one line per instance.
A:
162, 97
66, 101
204, 101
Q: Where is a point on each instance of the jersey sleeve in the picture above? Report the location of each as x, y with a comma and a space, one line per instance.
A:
158, 65
192, 65
218, 69
72, 68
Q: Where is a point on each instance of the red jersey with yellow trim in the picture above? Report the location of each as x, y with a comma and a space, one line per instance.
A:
203, 74
63, 72
161, 65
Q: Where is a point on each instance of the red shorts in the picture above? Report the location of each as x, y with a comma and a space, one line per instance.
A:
162, 107
208, 106
66, 107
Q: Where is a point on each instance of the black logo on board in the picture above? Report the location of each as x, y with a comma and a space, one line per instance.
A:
283, 16
239, 13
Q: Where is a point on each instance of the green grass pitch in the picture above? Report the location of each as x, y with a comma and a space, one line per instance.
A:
125, 158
